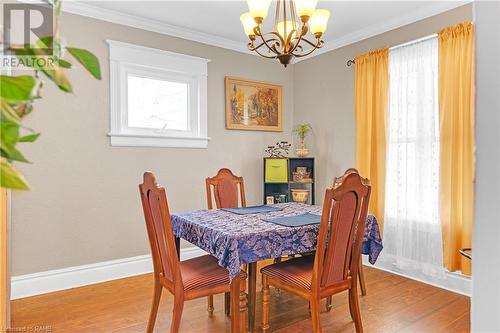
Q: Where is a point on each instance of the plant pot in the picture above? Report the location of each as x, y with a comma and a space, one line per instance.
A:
302, 151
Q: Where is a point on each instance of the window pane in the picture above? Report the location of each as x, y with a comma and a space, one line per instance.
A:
157, 104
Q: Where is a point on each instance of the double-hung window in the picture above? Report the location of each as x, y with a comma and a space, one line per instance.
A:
158, 98
412, 229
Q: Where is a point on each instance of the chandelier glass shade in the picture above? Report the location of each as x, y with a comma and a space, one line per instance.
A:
293, 20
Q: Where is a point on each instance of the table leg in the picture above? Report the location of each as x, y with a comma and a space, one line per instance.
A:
252, 285
235, 305
178, 246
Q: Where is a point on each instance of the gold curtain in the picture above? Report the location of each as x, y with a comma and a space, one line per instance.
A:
371, 104
456, 113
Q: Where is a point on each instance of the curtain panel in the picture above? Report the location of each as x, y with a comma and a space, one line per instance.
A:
371, 103
456, 113
412, 233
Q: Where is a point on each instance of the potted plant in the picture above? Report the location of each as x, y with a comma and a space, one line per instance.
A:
301, 130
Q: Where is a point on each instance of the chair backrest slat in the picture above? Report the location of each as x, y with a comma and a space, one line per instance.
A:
342, 229
225, 190
159, 228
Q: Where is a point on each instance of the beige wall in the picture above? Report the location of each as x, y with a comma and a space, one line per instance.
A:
324, 94
84, 206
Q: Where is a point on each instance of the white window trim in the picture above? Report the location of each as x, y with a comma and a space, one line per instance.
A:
143, 61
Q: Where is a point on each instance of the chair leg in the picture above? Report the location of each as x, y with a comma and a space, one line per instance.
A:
227, 304
210, 305
328, 303
361, 277
154, 308
315, 315
265, 304
177, 314
354, 307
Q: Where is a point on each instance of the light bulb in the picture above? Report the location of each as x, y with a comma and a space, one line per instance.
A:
318, 22
305, 8
248, 24
284, 33
258, 9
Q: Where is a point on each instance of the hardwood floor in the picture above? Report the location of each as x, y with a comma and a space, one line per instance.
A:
393, 304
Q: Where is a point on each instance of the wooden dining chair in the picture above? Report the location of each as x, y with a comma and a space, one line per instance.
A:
223, 187
361, 272
189, 279
335, 266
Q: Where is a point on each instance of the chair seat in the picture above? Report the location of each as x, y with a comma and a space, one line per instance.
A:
296, 272
204, 272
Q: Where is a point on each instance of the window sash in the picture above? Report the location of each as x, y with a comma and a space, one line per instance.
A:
158, 74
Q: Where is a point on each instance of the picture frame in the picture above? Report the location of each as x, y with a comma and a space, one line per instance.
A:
253, 105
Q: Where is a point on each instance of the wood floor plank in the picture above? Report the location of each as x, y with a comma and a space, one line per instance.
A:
393, 304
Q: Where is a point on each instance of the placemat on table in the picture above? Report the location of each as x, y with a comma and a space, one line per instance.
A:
253, 209
297, 220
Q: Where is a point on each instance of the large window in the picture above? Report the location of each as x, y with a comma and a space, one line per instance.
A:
412, 228
158, 98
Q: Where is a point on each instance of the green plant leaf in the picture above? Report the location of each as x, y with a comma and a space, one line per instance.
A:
11, 178
12, 154
17, 88
58, 77
29, 137
9, 133
64, 63
8, 114
88, 60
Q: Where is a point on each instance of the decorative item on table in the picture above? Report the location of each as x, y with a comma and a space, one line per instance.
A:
270, 200
283, 198
300, 195
280, 149
301, 131
253, 105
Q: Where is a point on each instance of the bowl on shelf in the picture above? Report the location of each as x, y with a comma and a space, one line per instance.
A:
300, 195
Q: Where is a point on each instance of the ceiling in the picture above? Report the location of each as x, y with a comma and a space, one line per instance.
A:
217, 22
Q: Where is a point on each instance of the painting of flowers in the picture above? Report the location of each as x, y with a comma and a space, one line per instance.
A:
253, 105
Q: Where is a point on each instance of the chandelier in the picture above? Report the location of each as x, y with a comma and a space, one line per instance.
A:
293, 20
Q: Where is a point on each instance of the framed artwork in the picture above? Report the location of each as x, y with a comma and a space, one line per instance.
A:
253, 105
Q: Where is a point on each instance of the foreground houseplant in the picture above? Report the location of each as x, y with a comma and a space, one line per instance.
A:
19, 93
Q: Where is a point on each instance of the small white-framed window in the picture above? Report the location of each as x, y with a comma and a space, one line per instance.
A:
158, 98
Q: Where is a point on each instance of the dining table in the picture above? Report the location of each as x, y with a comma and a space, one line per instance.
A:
236, 239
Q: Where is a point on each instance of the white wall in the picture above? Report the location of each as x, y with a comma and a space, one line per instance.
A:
485, 313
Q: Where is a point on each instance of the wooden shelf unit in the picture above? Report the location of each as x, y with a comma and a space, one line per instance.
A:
287, 165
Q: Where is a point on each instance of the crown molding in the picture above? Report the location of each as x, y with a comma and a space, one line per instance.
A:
380, 28
85, 9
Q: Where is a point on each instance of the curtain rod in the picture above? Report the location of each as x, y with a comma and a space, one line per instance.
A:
352, 61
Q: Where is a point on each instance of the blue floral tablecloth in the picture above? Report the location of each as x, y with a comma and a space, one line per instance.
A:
241, 239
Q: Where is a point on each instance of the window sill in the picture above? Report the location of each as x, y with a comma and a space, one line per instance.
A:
137, 140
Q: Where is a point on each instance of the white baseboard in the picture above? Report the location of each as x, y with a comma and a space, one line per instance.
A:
455, 282
77, 276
